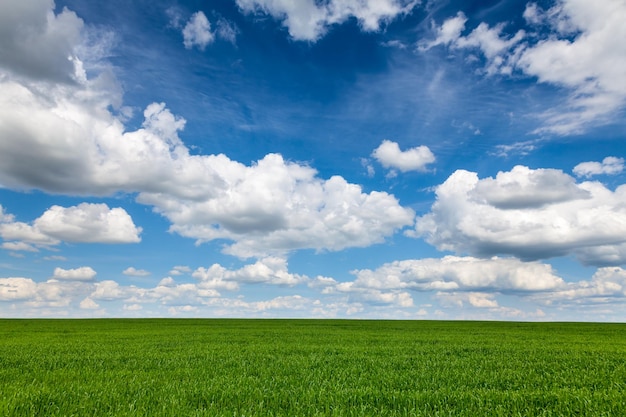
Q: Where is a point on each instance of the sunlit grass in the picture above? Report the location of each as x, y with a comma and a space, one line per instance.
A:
310, 368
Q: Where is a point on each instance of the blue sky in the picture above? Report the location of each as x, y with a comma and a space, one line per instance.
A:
358, 159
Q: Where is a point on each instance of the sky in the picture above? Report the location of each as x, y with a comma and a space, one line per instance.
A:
365, 159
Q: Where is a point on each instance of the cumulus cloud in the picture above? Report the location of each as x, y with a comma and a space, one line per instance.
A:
133, 272
530, 214
574, 44
610, 165
275, 206
84, 273
88, 304
88, 223
36, 43
13, 289
309, 20
271, 270
85, 223
197, 32
80, 147
389, 155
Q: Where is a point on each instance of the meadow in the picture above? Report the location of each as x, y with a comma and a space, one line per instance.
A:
232, 367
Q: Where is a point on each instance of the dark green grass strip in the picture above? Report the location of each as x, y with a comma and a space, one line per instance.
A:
310, 368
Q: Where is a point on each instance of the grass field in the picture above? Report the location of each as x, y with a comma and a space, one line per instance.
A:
181, 367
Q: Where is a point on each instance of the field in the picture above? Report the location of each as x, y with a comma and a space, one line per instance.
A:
182, 367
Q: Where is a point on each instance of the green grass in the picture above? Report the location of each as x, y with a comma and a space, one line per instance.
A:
310, 368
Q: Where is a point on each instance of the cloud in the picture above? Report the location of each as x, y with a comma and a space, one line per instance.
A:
197, 32
84, 273
131, 271
607, 286
108, 290
453, 273
309, 20
271, 270
36, 43
610, 165
19, 246
389, 155
88, 223
13, 289
274, 207
574, 45
490, 41
81, 148
85, 223
88, 304
530, 214
180, 270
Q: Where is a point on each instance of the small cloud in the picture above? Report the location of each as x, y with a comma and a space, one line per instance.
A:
226, 30
84, 273
518, 148
88, 304
131, 271
414, 159
180, 270
132, 307
197, 32
55, 258
167, 282
609, 166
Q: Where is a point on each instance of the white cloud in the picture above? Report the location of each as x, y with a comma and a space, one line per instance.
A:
530, 214
91, 223
80, 147
12, 289
88, 304
197, 32
19, 246
274, 207
414, 159
226, 30
609, 166
453, 273
85, 223
270, 270
108, 290
180, 270
309, 20
577, 47
133, 272
84, 273
492, 43
55, 258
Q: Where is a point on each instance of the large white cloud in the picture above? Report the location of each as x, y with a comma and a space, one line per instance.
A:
80, 147
576, 44
276, 206
530, 214
309, 19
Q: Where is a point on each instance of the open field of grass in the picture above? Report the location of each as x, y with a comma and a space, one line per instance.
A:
181, 367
